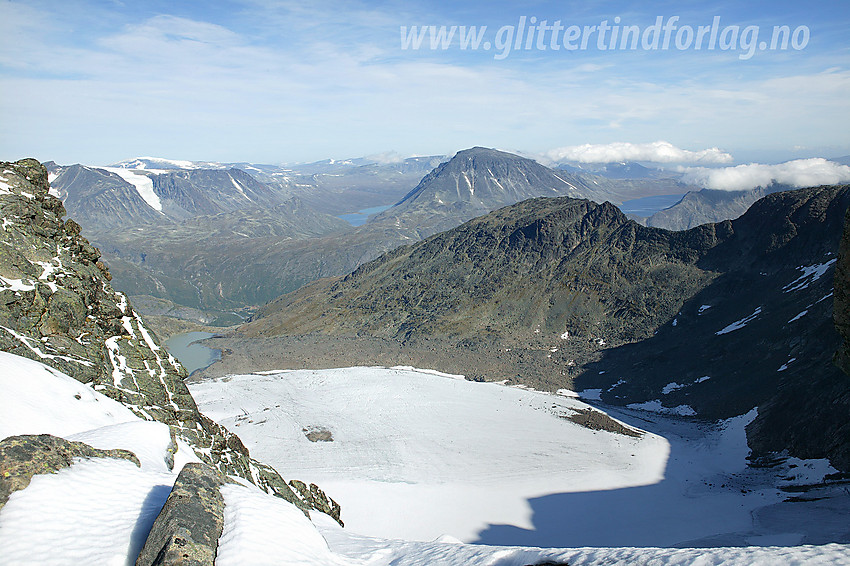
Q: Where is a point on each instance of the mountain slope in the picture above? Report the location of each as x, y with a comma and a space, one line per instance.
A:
117, 197
442, 200
196, 236
538, 264
765, 333
220, 262
211, 191
552, 290
201, 238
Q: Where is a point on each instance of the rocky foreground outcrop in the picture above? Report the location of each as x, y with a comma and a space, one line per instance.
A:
57, 307
22, 457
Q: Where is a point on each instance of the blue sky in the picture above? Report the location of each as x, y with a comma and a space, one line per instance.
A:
98, 81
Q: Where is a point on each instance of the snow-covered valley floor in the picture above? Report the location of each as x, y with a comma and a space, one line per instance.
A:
417, 455
422, 463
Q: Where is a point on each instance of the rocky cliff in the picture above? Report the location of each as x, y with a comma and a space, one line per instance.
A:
57, 307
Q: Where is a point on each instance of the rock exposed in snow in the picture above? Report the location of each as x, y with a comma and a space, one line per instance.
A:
22, 457
190, 523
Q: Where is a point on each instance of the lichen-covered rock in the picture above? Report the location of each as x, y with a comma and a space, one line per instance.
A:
187, 529
22, 457
57, 307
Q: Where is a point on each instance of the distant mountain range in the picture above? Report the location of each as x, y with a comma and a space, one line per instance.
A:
620, 170
220, 237
106, 198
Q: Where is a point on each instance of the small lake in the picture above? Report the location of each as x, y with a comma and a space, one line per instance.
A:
192, 356
360, 217
647, 206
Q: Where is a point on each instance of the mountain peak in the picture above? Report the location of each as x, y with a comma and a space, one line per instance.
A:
476, 181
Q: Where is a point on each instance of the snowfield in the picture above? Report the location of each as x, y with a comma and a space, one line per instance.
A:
443, 455
415, 453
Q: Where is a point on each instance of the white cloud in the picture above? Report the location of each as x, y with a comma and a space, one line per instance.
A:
796, 173
386, 158
657, 152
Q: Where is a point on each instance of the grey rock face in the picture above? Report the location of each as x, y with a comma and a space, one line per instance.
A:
22, 457
187, 530
57, 307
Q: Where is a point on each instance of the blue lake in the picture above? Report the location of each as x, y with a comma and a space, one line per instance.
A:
647, 206
360, 217
192, 356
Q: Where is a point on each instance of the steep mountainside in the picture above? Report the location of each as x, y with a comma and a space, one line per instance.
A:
201, 238
560, 292
57, 307
442, 200
552, 265
215, 263
114, 198
764, 332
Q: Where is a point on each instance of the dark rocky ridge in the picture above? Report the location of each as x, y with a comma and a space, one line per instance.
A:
57, 307
501, 290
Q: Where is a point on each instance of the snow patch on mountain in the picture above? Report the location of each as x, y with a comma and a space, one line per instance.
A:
99, 511
811, 273
739, 324
143, 184
655, 406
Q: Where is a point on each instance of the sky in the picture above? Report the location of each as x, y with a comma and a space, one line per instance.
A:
98, 81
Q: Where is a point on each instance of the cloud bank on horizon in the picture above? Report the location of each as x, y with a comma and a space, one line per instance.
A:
797, 173
655, 152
